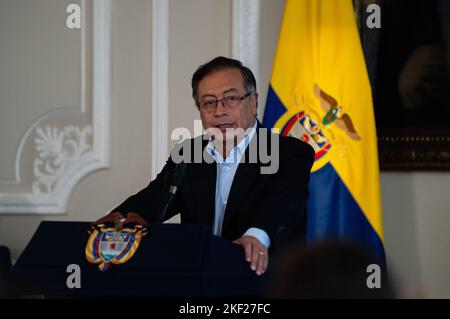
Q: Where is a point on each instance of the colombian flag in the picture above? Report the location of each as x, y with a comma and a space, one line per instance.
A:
320, 93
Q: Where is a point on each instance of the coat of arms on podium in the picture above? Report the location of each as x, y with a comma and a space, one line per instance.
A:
112, 245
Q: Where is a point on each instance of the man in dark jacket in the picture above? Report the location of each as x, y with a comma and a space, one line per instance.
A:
231, 186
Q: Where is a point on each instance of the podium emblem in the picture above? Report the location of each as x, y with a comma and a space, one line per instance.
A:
111, 245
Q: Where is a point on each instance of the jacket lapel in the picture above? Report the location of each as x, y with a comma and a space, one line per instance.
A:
204, 188
242, 182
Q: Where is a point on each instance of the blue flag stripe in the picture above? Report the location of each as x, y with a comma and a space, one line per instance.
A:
337, 215
274, 109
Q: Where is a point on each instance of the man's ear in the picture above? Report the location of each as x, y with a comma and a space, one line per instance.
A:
255, 100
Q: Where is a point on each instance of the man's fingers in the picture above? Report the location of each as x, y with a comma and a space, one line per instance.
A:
255, 257
110, 218
144, 231
248, 252
262, 263
259, 269
92, 227
134, 218
114, 217
255, 253
266, 262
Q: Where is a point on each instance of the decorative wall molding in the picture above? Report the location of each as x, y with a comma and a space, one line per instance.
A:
57, 149
160, 86
66, 155
246, 34
82, 107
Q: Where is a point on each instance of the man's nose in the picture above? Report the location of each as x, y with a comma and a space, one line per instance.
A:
220, 109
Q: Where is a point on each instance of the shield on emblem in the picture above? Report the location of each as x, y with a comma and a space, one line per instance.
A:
303, 127
112, 244
108, 246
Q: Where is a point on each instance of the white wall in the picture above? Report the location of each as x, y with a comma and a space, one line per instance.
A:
130, 118
416, 215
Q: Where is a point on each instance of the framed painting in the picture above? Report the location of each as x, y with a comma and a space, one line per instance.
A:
408, 63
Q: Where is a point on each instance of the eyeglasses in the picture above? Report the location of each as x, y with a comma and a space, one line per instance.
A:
229, 102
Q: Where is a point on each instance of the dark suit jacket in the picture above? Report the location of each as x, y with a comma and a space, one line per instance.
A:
275, 203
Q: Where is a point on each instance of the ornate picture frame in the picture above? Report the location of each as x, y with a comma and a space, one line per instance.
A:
408, 61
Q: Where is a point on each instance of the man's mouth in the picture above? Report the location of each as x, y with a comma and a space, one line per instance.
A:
224, 126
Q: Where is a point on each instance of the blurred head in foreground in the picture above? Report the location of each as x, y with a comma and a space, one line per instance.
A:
332, 270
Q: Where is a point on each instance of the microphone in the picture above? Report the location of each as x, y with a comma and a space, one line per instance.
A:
173, 180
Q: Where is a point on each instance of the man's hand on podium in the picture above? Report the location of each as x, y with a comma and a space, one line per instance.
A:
255, 253
117, 218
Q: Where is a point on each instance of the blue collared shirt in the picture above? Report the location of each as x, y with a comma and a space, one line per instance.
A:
226, 169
